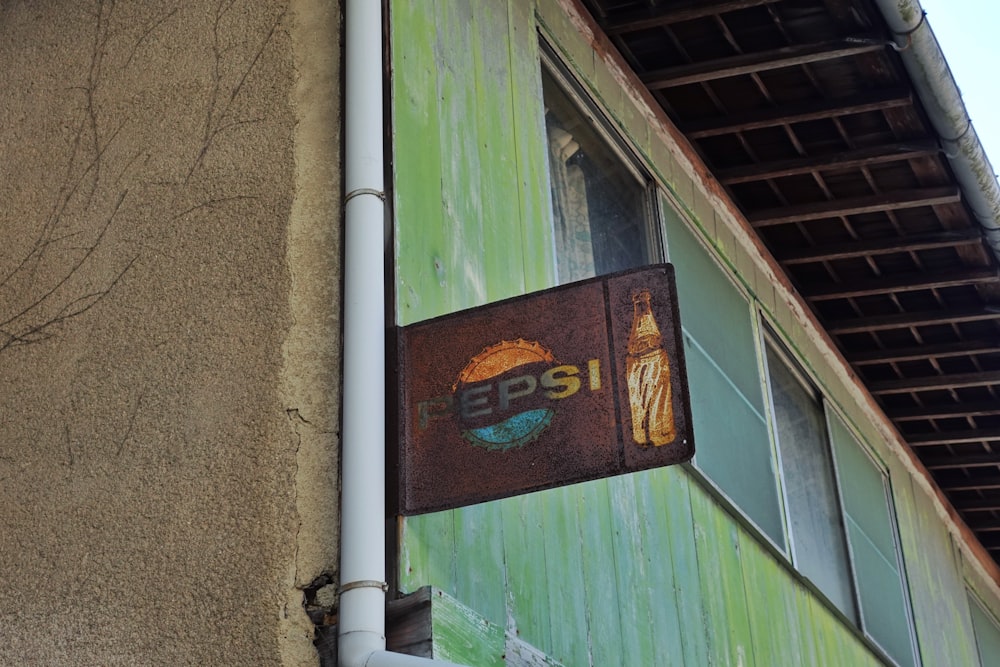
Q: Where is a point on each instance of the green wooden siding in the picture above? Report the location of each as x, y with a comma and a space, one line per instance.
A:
649, 569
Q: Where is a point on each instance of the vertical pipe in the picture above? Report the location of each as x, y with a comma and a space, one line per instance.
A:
361, 632
362, 560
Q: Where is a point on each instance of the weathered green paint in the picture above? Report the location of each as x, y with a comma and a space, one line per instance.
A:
674, 492
417, 172
460, 633
768, 598
471, 205
479, 537
720, 573
936, 587
427, 552
633, 566
564, 576
527, 595
656, 494
651, 569
603, 607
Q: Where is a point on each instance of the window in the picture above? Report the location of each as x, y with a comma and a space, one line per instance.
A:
987, 634
842, 533
766, 440
600, 203
724, 379
873, 539
815, 524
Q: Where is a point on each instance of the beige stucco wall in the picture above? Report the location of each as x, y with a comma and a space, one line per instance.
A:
169, 355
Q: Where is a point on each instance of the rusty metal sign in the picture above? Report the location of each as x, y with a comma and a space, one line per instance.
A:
574, 383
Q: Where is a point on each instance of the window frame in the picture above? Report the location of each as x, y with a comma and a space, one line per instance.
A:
588, 104
769, 338
703, 475
770, 335
976, 602
831, 412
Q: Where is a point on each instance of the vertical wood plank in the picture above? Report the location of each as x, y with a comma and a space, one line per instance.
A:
656, 491
716, 538
480, 577
634, 570
566, 583
808, 644
461, 270
604, 604
427, 552
771, 594
498, 189
420, 239
674, 495
530, 156
937, 591
526, 569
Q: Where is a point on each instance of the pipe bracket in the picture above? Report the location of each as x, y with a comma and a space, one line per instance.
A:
364, 191
908, 34
363, 583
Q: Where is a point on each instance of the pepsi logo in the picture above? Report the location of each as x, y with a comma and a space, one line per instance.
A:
508, 394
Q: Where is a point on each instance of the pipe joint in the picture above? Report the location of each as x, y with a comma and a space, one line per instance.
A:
364, 191
907, 34
363, 583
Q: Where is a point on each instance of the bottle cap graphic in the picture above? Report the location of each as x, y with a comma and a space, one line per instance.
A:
509, 369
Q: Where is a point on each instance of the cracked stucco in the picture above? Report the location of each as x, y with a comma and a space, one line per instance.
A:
169, 353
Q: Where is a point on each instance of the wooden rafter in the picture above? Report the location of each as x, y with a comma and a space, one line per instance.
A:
918, 352
962, 461
887, 201
973, 484
976, 504
934, 382
954, 437
907, 282
760, 61
686, 11
798, 113
954, 411
984, 525
841, 160
885, 246
911, 319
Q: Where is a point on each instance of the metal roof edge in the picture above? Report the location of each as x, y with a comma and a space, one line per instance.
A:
936, 87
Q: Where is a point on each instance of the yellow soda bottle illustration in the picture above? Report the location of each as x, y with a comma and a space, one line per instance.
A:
647, 369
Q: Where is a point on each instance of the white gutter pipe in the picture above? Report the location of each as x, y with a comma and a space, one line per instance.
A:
361, 632
942, 99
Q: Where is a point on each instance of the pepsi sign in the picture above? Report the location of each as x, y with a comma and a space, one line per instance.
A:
574, 383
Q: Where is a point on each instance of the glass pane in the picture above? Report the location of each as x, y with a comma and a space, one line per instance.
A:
724, 378
735, 451
714, 311
864, 490
882, 604
987, 636
872, 535
817, 531
599, 207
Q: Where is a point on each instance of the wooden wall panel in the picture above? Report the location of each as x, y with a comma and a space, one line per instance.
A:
937, 591
651, 569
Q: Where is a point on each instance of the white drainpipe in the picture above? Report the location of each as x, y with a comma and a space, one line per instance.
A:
361, 641
937, 90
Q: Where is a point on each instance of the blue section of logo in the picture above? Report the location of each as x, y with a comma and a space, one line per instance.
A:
514, 431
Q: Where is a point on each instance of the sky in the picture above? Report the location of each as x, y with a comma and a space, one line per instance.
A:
969, 34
